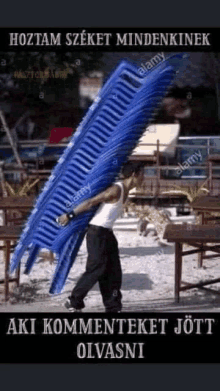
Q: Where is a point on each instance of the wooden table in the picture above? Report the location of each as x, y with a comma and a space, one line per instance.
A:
197, 236
207, 203
203, 205
8, 235
10, 232
17, 203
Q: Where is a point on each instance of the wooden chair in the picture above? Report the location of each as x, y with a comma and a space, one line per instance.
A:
9, 234
15, 212
208, 216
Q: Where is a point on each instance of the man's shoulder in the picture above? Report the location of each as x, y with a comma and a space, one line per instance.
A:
118, 186
114, 191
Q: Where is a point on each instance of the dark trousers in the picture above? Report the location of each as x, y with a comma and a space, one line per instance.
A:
103, 265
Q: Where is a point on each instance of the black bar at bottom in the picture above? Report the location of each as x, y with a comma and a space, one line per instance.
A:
148, 337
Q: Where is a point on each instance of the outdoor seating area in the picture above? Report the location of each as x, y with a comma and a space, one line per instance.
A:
199, 236
175, 233
205, 236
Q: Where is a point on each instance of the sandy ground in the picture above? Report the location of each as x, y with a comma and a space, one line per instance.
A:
148, 281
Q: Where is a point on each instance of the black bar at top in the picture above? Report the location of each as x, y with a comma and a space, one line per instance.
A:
109, 39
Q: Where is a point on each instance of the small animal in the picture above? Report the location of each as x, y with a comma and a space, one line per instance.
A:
142, 226
158, 217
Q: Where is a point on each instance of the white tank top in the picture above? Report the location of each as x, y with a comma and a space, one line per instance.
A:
107, 213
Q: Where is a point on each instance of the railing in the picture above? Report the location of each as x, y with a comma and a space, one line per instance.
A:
159, 177
206, 145
190, 159
188, 167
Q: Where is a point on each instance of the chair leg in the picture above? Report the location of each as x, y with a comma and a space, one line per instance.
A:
202, 253
18, 274
178, 270
13, 243
200, 259
7, 262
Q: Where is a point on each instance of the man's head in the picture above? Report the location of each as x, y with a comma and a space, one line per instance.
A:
133, 171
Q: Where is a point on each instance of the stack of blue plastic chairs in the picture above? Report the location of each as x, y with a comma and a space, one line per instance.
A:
92, 160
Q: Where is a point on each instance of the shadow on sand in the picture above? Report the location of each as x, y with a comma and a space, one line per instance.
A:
145, 251
203, 302
133, 281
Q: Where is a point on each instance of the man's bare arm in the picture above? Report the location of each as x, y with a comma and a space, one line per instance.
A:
112, 194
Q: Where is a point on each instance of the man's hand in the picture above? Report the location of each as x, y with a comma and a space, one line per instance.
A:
63, 219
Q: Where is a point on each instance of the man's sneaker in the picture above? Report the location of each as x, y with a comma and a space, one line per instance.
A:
69, 306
